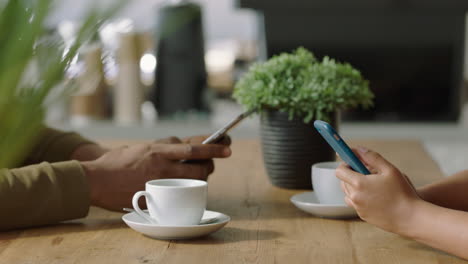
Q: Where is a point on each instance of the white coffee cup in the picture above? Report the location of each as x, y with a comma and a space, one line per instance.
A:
327, 186
173, 202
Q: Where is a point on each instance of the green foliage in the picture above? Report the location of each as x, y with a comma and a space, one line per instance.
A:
23, 46
302, 86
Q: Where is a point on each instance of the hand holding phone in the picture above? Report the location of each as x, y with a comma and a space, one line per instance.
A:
340, 146
220, 133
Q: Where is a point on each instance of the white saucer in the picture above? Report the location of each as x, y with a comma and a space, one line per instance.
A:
309, 203
139, 224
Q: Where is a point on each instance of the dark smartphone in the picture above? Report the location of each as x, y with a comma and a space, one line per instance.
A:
340, 146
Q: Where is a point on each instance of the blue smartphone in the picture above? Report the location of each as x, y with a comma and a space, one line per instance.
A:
340, 147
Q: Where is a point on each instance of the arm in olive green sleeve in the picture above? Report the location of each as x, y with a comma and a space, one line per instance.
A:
54, 146
42, 194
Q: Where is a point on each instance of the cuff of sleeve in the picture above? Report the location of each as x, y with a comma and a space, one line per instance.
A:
61, 145
74, 188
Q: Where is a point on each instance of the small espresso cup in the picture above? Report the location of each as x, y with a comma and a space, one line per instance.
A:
173, 202
327, 186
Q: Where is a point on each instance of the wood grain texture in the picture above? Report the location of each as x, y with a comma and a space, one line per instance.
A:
265, 226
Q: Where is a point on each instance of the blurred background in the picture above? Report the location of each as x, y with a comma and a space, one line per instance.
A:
163, 68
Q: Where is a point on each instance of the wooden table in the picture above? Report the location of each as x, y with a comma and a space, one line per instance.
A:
265, 226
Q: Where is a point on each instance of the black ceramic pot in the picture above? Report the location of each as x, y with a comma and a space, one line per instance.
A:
290, 148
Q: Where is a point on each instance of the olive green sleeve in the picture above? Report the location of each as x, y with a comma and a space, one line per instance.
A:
54, 145
42, 194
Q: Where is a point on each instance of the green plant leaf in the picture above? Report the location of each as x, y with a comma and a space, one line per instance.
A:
22, 46
298, 84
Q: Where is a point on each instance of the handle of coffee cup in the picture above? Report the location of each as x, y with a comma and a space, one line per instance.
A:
140, 212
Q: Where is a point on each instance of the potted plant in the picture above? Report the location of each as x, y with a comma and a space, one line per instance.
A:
290, 91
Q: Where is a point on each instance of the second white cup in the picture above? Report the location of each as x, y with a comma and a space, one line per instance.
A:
173, 202
327, 186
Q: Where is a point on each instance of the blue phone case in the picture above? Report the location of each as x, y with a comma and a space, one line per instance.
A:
340, 147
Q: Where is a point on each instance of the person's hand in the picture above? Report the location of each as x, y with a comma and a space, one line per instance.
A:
88, 152
226, 140
384, 198
119, 173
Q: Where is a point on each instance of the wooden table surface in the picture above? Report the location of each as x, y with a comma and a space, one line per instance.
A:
265, 226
